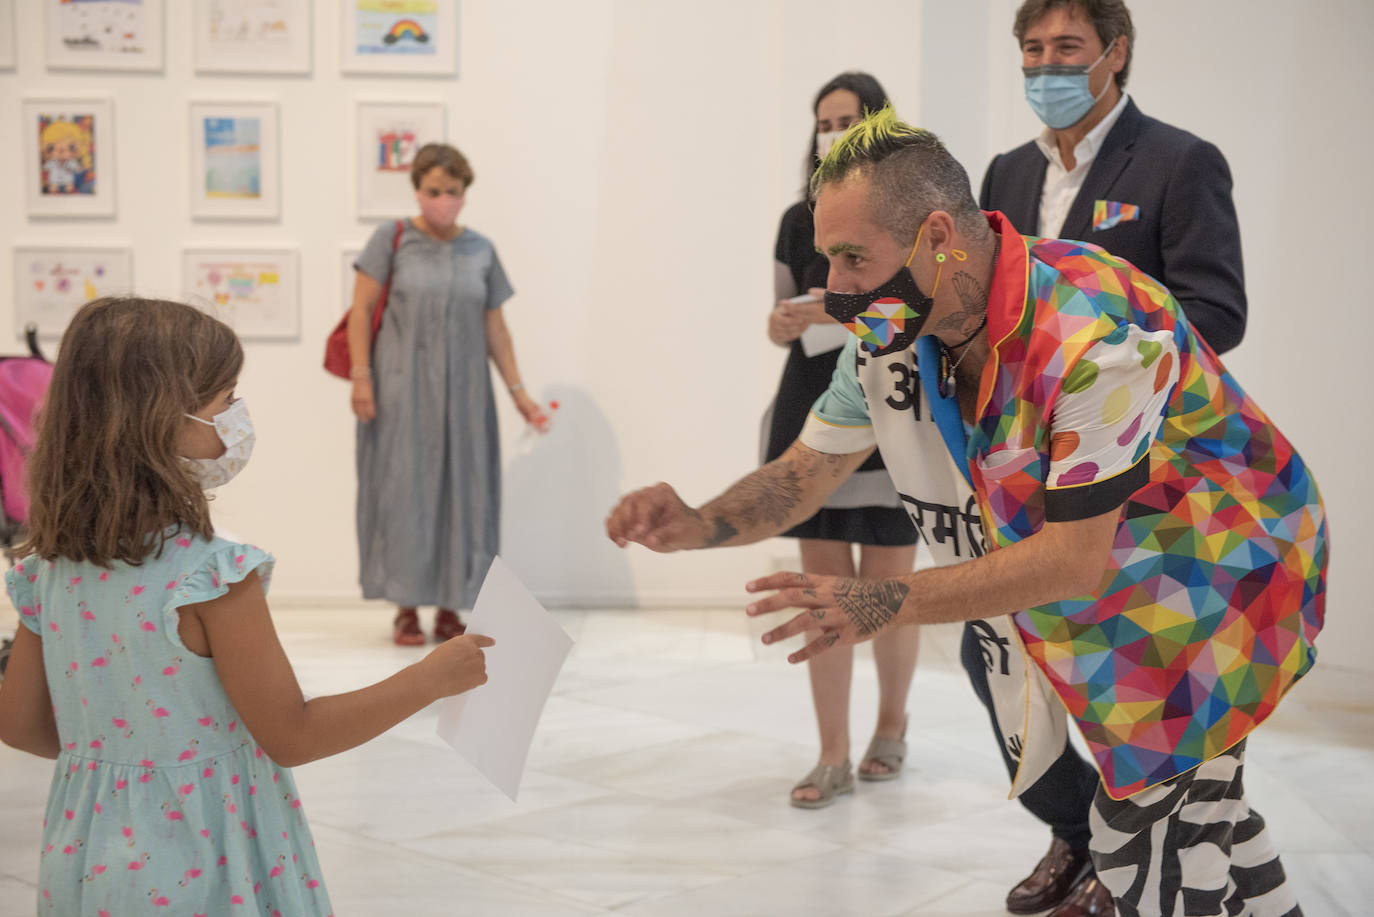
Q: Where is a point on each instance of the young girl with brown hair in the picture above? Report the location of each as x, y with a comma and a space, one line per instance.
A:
148, 665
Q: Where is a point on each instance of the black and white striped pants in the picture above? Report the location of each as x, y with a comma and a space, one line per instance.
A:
1190, 847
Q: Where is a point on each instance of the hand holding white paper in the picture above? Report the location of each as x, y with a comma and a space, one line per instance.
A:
493, 725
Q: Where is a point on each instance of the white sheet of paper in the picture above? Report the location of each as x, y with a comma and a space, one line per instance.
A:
823, 338
493, 725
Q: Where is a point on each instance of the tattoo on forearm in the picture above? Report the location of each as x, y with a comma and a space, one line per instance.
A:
724, 531
870, 604
770, 495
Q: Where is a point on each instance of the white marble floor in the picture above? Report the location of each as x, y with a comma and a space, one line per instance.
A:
656, 787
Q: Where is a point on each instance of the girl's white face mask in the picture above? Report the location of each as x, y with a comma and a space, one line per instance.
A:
235, 430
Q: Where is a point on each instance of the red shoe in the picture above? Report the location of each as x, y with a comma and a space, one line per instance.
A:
447, 626
405, 630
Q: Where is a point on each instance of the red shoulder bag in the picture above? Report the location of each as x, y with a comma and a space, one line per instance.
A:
337, 360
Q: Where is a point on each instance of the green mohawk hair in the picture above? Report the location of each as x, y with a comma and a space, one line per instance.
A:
873, 139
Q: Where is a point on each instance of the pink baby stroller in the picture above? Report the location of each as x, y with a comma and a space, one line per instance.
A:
23, 383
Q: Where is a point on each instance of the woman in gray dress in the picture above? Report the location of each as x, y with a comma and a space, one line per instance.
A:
429, 463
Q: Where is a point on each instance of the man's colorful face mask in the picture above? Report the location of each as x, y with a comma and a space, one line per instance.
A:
885, 319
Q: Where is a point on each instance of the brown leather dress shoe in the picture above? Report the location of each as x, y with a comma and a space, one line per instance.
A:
1089, 898
1054, 877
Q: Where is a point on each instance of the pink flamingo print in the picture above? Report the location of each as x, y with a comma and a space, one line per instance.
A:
104, 576
138, 680
98, 809
52, 626
223, 860
84, 609
98, 662
173, 668
117, 642
205, 833
236, 899
120, 784
184, 542
102, 913
137, 864
205, 720
134, 593
73, 848
208, 773
158, 712
72, 668
27, 611
159, 900
186, 755
279, 868
191, 873
128, 833
174, 815
98, 744
144, 624
232, 724
69, 814
73, 583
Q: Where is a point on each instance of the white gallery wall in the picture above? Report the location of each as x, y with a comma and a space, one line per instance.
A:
632, 162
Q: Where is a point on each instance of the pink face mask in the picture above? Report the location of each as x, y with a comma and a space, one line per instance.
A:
439, 212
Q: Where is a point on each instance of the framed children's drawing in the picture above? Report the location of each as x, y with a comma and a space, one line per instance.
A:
52, 282
252, 36
388, 136
254, 291
104, 34
234, 174
69, 163
410, 37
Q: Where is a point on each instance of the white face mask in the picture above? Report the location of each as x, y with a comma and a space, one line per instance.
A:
235, 430
825, 141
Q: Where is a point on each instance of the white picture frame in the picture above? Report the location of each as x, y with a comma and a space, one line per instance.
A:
407, 37
69, 156
387, 136
255, 291
235, 172
7, 29
52, 281
252, 36
103, 34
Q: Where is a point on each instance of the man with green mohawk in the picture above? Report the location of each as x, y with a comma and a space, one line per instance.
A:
1133, 538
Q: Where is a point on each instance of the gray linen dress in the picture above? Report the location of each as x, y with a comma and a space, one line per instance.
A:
429, 463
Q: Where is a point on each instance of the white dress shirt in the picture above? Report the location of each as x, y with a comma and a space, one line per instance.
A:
1061, 185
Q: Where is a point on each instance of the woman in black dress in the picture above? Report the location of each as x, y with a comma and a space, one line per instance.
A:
864, 511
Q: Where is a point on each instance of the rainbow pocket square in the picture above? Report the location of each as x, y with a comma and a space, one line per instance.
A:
1107, 214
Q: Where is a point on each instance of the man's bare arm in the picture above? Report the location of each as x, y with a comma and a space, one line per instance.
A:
772, 499
781, 494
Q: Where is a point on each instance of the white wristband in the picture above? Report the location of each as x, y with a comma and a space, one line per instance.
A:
517, 387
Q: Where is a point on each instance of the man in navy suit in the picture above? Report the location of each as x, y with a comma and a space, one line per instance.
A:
1157, 196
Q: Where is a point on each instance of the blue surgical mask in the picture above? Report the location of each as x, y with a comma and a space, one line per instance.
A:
1059, 95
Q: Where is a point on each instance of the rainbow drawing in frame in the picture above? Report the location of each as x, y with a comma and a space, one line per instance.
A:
400, 36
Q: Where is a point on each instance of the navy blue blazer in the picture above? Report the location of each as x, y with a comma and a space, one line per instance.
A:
1185, 236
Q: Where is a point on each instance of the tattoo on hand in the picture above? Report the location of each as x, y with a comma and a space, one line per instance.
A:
830, 640
870, 604
817, 613
723, 533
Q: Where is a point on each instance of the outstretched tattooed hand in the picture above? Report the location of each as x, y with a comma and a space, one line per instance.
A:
845, 611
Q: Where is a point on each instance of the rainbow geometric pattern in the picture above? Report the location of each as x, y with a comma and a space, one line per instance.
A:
1107, 214
1215, 593
884, 320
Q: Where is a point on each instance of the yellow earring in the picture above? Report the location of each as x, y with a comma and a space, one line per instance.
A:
940, 260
